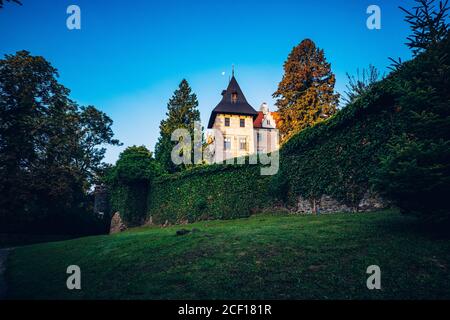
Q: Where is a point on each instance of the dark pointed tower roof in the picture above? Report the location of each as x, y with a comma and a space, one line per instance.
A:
240, 106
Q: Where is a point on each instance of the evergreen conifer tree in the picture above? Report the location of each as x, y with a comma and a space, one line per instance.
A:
182, 112
305, 95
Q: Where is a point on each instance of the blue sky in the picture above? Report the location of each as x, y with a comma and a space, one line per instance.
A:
129, 56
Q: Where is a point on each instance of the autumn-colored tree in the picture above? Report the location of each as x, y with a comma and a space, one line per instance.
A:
305, 95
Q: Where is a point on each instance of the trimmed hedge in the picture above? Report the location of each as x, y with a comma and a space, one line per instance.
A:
208, 192
356, 151
129, 181
130, 199
339, 157
351, 153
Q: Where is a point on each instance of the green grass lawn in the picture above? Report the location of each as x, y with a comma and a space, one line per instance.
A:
262, 257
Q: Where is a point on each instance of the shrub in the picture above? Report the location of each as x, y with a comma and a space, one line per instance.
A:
415, 172
416, 176
129, 183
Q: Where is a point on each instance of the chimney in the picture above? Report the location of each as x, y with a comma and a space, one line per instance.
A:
264, 108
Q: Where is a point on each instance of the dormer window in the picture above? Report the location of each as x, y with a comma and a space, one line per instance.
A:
234, 97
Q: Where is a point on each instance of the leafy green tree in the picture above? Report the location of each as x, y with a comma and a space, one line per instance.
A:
2, 2
50, 148
182, 113
415, 175
305, 95
137, 163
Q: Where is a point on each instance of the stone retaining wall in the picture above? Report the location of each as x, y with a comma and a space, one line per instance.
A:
326, 204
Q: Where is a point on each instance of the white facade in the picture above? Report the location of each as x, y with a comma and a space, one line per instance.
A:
236, 136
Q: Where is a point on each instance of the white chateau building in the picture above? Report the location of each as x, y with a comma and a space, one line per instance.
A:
238, 129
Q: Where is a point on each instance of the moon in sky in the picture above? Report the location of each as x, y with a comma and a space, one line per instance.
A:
223, 73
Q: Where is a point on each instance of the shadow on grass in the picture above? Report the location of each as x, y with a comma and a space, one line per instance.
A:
408, 225
16, 240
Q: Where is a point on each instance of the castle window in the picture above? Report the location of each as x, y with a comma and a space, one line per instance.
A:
227, 122
234, 97
243, 143
242, 122
227, 143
